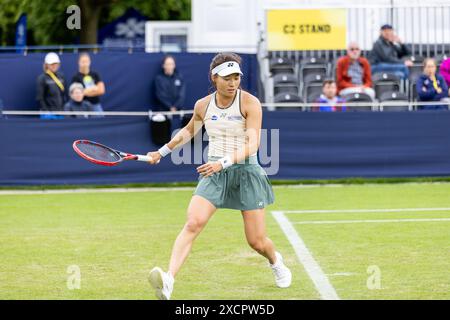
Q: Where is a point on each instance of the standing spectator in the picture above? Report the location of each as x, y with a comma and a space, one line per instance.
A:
444, 70
76, 102
431, 86
328, 100
94, 87
169, 87
387, 54
353, 73
51, 93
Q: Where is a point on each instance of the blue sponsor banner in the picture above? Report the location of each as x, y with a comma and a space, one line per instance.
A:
311, 145
21, 32
127, 30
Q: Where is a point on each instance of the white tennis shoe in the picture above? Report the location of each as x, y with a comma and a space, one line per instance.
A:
282, 274
162, 282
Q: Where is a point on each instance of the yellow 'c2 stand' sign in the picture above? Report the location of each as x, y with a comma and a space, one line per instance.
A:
306, 29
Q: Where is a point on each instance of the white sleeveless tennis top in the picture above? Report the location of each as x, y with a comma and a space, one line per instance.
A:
225, 127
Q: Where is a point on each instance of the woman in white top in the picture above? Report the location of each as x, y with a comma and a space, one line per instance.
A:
232, 177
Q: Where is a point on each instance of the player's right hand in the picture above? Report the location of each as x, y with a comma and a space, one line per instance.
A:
155, 156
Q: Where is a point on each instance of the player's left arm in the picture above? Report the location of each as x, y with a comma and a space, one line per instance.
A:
252, 110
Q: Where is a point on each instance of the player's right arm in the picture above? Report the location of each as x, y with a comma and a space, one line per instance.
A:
185, 134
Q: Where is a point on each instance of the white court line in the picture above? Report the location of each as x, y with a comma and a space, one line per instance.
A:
371, 221
305, 257
368, 210
93, 190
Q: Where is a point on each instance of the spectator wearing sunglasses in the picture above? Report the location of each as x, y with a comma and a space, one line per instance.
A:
387, 54
353, 73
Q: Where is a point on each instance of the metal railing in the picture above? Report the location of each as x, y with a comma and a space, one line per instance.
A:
375, 106
108, 48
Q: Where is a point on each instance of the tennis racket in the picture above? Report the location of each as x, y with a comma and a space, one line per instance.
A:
100, 154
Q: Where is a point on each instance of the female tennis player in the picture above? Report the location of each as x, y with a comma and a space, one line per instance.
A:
232, 177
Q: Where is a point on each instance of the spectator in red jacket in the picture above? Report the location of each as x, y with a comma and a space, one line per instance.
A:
353, 73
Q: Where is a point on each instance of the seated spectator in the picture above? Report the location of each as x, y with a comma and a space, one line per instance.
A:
51, 93
76, 102
431, 86
444, 70
328, 100
93, 85
169, 87
387, 54
353, 73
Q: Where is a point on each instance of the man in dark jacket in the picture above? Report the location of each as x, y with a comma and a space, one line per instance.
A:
170, 89
387, 54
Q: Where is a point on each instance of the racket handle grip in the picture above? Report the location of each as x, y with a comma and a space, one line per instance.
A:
144, 158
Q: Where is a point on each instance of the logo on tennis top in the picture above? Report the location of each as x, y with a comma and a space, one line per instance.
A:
214, 117
234, 118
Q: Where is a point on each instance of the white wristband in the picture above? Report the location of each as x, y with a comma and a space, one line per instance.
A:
225, 162
164, 150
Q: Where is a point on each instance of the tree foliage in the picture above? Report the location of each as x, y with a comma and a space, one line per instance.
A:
47, 19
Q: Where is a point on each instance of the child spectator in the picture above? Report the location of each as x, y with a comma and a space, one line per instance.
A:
387, 54
431, 86
51, 93
169, 87
353, 73
328, 100
93, 85
76, 102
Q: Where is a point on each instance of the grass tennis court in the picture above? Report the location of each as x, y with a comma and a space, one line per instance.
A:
115, 238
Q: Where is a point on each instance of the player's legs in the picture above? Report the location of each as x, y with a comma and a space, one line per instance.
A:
198, 214
255, 232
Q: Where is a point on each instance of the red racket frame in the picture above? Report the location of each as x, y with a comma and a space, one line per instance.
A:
123, 155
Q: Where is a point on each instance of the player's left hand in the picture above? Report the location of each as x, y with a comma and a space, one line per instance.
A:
208, 169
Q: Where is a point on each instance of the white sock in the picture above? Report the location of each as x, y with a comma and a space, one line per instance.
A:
277, 263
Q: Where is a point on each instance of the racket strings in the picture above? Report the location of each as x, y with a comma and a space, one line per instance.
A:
98, 152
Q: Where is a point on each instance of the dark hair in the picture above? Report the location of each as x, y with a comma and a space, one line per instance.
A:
327, 81
83, 54
167, 56
222, 58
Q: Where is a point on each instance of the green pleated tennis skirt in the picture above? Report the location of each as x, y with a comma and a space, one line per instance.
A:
243, 186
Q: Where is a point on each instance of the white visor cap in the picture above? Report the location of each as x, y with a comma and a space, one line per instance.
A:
51, 58
227, 68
